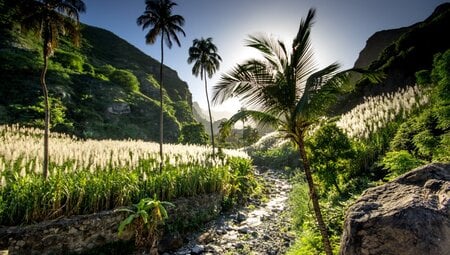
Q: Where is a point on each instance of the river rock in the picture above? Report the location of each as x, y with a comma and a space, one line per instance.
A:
205, 238
170, 241
409, 215
240, 217
198, 249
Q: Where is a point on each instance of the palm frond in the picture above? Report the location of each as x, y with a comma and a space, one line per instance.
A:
274, 51
372, 76
150, 37
50, 19
158, 17
262, 118
302, 55
320, 90
246, 81
204, 54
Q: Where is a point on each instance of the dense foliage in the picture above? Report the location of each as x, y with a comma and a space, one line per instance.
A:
193, 134
345, 166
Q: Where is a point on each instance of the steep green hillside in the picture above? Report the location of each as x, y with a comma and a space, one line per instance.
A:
400, 60
104, 89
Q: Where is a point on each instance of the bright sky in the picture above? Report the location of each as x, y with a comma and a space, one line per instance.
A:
339, 33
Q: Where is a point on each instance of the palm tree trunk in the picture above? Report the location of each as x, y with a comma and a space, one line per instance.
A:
210, 118
46, 119
161, 115
315, 199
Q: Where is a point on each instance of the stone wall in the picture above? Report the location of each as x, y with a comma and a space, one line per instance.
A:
82, 233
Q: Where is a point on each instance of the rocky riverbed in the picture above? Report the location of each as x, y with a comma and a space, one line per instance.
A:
262, 227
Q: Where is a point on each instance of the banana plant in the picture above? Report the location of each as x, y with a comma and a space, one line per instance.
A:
146, 217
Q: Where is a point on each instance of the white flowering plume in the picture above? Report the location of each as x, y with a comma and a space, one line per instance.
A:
24, 146
376, 112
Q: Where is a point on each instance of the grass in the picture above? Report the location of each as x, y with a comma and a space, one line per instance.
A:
378, 111
88, 176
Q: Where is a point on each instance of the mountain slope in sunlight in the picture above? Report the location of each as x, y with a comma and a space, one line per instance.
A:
104, 89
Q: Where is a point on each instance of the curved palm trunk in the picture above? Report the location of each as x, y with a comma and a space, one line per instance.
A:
161, 115
210, 119
315, 199
47, 117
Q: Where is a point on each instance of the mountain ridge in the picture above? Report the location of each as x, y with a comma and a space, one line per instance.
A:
402, 53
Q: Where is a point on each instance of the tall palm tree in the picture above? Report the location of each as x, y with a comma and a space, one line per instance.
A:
206, 60
287, 92
50, 18
158, 16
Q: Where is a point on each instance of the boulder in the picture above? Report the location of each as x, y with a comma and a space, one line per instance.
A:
409, 215
119, 108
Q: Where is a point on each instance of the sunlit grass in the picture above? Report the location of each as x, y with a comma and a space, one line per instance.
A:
89, 176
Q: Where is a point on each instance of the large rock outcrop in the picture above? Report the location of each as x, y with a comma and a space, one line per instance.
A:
376, 44
410, 215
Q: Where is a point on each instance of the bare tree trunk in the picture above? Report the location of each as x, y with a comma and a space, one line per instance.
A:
315, 199
161, 115
210, 118
46, 119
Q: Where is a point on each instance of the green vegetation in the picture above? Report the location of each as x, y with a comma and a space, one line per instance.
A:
401, 60
91, 176
146, 217
193, 134
126, 79
105, 72
425, 137
284, 156
331, 154
106, 89
353, 165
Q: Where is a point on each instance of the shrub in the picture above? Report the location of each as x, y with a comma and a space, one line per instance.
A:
88, 68
126, 79
18, 59
106, 70
331, 156
281, 157
193, 133
69, 60
399, 162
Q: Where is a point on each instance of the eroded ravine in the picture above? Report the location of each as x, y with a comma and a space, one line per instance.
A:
261, 228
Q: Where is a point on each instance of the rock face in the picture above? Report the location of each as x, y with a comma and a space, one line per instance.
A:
376, 44
410, 215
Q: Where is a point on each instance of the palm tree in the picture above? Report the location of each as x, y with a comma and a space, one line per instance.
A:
158, 16
287, 92
203, 53
50, 18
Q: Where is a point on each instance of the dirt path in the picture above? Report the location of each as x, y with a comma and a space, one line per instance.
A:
261, 228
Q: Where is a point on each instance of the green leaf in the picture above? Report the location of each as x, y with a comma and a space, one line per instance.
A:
126, 222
